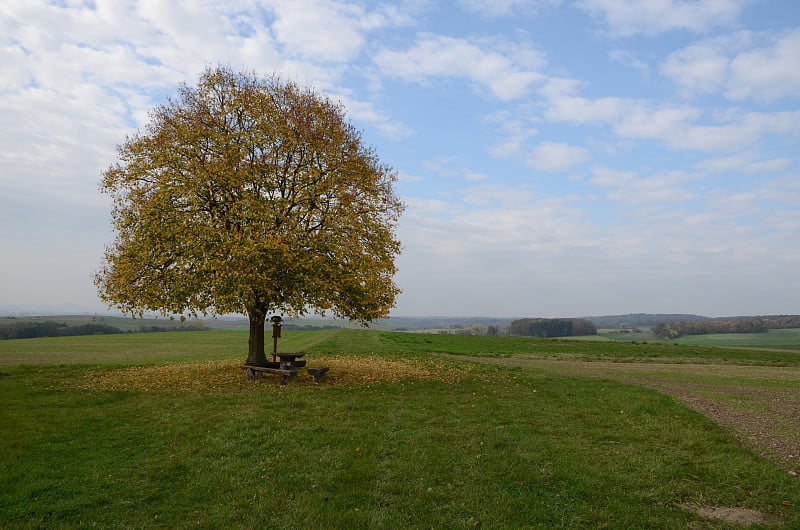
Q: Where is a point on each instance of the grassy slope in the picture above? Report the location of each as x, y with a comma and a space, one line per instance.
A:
503, 447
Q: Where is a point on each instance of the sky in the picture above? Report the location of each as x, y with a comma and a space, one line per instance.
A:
557, 157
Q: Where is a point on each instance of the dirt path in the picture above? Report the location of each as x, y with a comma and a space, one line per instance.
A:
760, 404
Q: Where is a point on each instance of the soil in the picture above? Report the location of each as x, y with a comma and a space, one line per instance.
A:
737, 516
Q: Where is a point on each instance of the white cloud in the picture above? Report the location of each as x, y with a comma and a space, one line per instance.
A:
628, 118
451, 167
738, 68
555, 156
630, 59
79, 75
327, 31
497, 8
15, 74
773, 165
564, 105
678, 126
486, 222
365, 111
644, 192
785, 194
474, 176
507, 250
767, 73
404, 177
736, 132
647, 121
507, 73
700, 68
652, 17
743, 163
515, 133
612, 178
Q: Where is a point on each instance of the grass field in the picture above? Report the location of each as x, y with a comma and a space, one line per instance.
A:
788, 339
785, 339
408, 431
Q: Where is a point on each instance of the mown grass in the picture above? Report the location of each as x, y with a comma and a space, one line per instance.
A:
445, 444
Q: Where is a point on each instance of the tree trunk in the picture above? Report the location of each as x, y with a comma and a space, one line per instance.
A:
255, 344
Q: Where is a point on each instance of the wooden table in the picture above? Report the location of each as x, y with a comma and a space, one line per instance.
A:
286, 368
289, 361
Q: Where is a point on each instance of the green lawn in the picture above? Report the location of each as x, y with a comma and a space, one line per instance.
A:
395, 438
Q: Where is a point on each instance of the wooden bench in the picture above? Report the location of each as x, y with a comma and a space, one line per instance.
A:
253, 372
317, 372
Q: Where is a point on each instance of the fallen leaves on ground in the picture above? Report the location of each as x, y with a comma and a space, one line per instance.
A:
227, 376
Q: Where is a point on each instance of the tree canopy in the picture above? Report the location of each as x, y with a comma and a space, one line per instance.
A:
250, 195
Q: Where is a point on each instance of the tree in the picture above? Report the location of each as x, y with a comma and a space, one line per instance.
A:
250, 195
551, 327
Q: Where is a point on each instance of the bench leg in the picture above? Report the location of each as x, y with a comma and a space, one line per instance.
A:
253, 375
317, 373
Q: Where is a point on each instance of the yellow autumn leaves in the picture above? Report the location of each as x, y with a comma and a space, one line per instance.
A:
226, 377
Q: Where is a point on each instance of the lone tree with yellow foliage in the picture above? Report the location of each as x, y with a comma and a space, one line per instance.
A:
250, 195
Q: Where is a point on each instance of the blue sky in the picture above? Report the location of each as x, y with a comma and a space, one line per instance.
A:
558, 157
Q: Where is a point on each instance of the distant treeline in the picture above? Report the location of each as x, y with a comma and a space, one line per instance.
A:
782, 321
552, 327
672, 330
641, 320
50, 328
308, 327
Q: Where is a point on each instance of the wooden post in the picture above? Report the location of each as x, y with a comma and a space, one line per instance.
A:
276, 334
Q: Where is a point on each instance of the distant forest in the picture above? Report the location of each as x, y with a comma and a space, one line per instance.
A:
552, 327
26, 329
673, 330
665, 326
641, 320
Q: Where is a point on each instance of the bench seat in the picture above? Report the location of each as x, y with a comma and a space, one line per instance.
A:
284, 374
